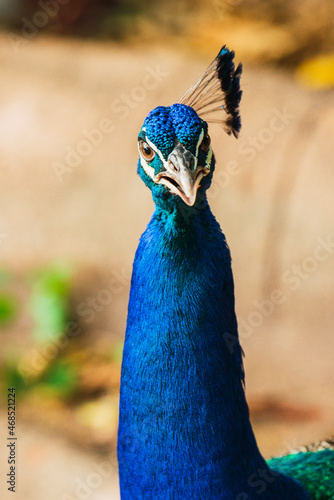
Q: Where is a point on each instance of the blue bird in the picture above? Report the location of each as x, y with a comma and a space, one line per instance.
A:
184, 428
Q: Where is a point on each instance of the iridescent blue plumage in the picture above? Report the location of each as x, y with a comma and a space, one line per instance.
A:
184, 429
164, 124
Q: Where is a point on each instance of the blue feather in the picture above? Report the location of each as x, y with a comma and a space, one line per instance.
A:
184, 427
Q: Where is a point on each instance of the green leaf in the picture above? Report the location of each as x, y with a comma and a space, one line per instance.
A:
8, 309
11, 376
49, 302
50, 314
60, 379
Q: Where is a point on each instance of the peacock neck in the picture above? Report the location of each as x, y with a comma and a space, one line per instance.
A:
184, 424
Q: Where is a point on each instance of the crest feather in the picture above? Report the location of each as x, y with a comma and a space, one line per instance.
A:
216, 95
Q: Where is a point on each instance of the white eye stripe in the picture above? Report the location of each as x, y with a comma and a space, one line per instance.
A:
208, 158
156, 150
201, 135
209, 152
147, 168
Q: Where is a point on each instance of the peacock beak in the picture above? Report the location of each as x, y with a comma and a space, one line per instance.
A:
182, 175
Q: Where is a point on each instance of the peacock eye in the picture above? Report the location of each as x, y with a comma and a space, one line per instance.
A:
146, 151
205, 144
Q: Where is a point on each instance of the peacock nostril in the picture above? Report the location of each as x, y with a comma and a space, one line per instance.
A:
191, 163
173, 166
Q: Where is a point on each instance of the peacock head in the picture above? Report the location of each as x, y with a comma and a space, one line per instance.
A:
176, 159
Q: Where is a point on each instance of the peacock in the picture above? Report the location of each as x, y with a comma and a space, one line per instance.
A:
184, 428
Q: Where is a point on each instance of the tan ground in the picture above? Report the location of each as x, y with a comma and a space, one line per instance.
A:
275, 207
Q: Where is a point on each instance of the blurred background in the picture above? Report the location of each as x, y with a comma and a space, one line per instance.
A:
77, 80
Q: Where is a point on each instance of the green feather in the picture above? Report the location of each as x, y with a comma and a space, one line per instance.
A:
315, 470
